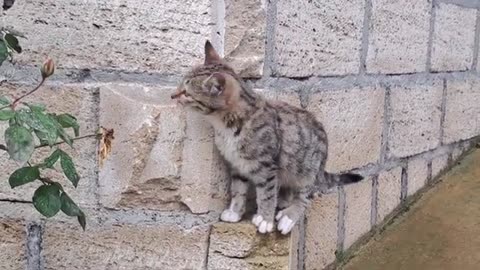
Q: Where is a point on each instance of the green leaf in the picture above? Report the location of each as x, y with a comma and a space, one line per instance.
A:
68, 121
48, 125
23, 176
50, 161
4, 100
3, 52
41, 137
82, 221
69, 207
6, 114
12, 42
46, 200
19, 142
69, 168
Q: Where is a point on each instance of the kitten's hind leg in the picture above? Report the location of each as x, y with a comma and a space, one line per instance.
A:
238, 191
288, 217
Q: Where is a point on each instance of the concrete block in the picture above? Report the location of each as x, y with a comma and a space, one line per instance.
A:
321, 230
318, 38
132, 35
12, 244
245, 25
358, 211
462, 110
398, 38
453, 38
124, 247
439, 164
414, 125
239, 246
417, 173
80, 101
161, 159
389, 190
353, 120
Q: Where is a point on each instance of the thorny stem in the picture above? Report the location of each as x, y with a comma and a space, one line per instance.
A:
14, 103
4, 148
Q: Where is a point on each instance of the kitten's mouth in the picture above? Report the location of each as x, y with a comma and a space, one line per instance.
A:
179, 94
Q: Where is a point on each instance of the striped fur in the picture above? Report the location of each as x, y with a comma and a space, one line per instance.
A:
279, 148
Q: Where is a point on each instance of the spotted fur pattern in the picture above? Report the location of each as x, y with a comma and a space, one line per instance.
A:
279, 148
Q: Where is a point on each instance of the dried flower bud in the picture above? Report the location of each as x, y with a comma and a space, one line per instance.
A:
48, 68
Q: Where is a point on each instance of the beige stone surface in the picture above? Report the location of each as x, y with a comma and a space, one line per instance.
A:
239, 246
398, 37
321, 231
417, 173
318, 38
358, 211
162, 158
81, 102
453, 37
128, 35
353, 120
124, 247
462, 110
389, 190
439, 164
12, 244
245, 25
414, 125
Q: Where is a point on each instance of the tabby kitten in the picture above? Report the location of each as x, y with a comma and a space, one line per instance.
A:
279, 148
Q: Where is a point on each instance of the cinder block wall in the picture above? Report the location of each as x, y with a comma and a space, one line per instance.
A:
395, 83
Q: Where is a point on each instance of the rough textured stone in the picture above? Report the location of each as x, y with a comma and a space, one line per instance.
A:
353, 119
321, 232
357, 211
439, 164
80, 101
245, 24
453, 38
398, 37
462, 110
124, 247
414, 125
238, 246
417, 173
204, 176
128, 35
388, 192
318, 38
12, 245
161, 159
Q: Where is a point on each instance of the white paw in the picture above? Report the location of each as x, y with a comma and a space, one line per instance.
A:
230, 216
285, 225
262, 225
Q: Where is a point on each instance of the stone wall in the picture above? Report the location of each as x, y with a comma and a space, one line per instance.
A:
395, 83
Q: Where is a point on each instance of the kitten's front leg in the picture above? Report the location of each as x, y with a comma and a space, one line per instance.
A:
267, 194
238, 192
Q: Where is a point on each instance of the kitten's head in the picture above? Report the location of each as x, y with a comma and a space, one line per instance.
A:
209, 87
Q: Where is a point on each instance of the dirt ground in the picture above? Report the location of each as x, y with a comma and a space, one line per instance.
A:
441, 231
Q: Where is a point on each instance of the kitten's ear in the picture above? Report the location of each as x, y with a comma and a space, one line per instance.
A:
216, 83
211, 56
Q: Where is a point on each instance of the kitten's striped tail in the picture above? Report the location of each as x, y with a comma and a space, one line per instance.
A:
333, 180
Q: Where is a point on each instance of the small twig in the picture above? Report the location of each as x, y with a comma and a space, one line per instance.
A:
74, 139
14, 103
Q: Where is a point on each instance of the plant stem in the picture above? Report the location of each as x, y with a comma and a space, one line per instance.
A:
74, 139
14, 103
4, 148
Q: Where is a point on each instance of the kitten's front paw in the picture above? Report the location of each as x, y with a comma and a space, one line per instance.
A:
230, 216
262, 225
285, 223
